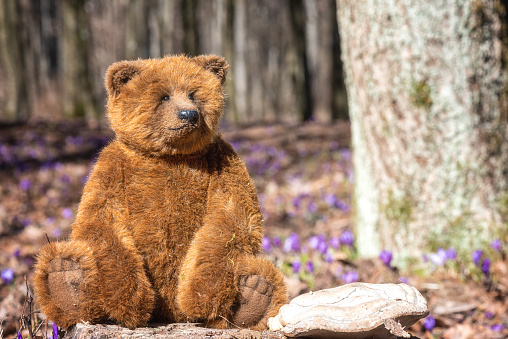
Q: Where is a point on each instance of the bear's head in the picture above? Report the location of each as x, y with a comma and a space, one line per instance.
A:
166, 106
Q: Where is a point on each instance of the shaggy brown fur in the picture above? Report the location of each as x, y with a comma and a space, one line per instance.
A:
169, 224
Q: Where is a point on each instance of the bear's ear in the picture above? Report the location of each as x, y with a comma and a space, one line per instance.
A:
118, 74
215, 64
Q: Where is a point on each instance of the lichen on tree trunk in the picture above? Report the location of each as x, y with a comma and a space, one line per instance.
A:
426, 88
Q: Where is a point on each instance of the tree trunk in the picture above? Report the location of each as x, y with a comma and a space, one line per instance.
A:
240, 66
17, 87
77, 92
301, 75
212, 19
426, 91
320, 22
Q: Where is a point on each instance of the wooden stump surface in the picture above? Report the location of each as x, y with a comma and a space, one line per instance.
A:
83, 330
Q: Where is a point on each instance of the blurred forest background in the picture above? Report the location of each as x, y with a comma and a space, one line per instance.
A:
426, 116
284, 55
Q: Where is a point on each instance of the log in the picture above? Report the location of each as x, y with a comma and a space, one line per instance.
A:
188, 330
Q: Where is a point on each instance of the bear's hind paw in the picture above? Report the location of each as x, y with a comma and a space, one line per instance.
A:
254, 300
65, 277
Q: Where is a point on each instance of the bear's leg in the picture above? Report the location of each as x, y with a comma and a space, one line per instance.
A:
65, 278
240, 292
261, 293
75, 282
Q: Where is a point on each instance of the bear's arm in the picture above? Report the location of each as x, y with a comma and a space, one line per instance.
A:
125, 290
224, 248
233, 199
102, 207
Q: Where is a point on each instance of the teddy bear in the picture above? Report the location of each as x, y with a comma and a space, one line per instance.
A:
169, 225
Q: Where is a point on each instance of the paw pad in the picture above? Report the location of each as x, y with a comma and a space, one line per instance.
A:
254, 299
64, 279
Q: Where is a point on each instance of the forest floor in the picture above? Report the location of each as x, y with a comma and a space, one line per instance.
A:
304, 178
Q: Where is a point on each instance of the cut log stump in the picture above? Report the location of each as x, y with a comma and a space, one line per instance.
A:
84, 330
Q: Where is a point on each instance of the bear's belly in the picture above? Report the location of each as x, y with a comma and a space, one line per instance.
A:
166, 206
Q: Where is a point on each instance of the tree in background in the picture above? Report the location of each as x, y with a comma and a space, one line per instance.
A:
427, 90
53, 54
18, 73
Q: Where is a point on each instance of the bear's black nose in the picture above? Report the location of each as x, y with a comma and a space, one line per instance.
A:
190, 116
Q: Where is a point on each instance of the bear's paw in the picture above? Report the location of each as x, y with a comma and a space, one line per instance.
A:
254, 300
65, 277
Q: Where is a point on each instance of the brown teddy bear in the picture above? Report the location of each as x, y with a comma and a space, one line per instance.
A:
169, 224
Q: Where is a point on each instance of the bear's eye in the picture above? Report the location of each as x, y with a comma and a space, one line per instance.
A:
165, 98
191, 96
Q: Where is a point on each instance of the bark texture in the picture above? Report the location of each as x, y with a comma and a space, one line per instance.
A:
426, 88
161, 332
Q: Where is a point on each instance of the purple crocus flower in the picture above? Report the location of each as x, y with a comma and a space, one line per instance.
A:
328, 256
477, 255
7, 276
266, 244
65, 179
330, 200
404, 280
55, 331
486, 266
334, 242
345, 154
442, 254
19, 335
78, 140
272, 151
310, 266
338, 272
429, 323
439, 258
347, 238
318, 242
312, 207
315, 240
297, 202
386, 257
296, 266
276, 241
350, 277
451, 254
67, 213
341, 205
69, 140
436, 259
497, 327
57, 233
323, 247
497, 245
25, 184
292, 243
